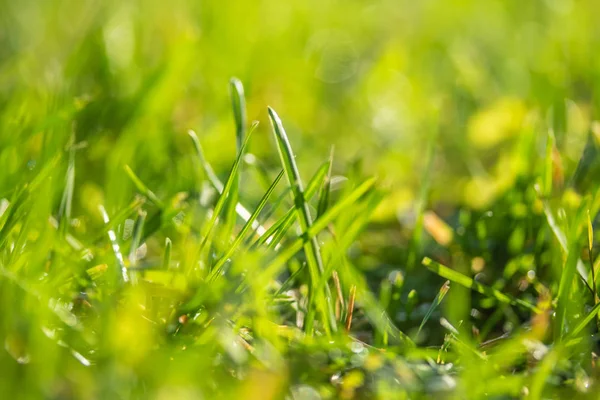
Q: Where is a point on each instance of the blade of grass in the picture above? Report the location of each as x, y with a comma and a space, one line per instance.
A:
167, 254
286, 284
592, 277
115, 246
584, 322
245, 229
138, 228
565, 288
284, 222
143, 189
341, 243
233, 174
238, 105
15, 208
363, 212
436, 302
136, 239
373, 310
66, 203
217, 184
351, 300
119, 217
313, 254
467, 282
340, 304
562, 238
549, 164
421, 201
273, 267
325, 191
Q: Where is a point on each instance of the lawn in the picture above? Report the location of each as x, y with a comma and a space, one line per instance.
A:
299, 199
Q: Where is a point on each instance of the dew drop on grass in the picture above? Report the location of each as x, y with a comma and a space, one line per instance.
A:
357, 347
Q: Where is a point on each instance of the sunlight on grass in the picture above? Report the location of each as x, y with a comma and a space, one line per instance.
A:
417, 219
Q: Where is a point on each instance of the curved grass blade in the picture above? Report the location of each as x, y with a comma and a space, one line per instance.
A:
325, 192
436, 302
313, 254
565, 301
218, 185
142, 188
231, 179
208, 170
363, 212
320, 224
245, 229
285, 221
238, 105
467, 282
283, 229
20, 197
584, 322
119, 217
371, 306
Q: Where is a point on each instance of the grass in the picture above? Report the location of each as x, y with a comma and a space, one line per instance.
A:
255, 304
157, 242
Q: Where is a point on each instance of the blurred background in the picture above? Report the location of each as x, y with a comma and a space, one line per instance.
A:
449, 103
372, 78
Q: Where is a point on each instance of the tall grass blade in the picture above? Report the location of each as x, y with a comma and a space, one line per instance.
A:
217, 184
281, 225
66, 203
467, 282
421, 202
435, 304
351, 300
219, 206
313, 254
143, 189
584, 322
136, 237
565, 288
325, 191
245, 229
20, 197
562, 238
238, 105
320, 224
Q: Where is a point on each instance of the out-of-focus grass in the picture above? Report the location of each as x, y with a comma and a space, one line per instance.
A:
134, 261
367, 80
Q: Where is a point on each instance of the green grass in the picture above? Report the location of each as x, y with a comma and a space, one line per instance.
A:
150, 309
161, 240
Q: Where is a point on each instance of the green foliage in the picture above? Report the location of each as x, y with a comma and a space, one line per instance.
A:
446, 251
